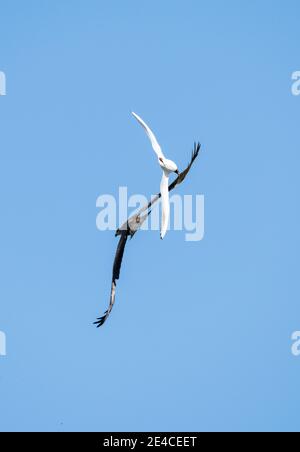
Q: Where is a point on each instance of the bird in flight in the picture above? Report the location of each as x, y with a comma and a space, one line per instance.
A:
134, 223
168, 167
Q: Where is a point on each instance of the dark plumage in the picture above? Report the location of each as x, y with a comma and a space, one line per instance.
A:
131, 226
115, 276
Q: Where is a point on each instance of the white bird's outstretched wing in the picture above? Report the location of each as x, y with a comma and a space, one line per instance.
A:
154, 142
165, 204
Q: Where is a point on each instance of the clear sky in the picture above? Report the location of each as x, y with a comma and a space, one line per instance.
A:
200, 336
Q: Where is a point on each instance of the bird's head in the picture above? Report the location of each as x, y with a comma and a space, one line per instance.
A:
168, 165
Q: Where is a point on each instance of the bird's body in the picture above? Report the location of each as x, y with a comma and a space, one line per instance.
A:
165, 202
168, 167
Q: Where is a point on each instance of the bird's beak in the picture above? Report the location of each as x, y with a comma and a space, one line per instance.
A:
177, 172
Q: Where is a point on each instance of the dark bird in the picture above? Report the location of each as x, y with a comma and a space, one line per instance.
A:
129, 229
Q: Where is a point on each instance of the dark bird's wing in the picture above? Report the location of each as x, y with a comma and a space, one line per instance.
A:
182, 176
129, 230
119, 256
116, 275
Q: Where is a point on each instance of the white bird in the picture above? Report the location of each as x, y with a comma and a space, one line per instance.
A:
167, 167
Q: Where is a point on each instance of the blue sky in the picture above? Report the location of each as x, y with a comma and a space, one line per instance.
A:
200, 337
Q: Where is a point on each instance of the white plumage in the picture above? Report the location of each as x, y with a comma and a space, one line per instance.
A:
168, 167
